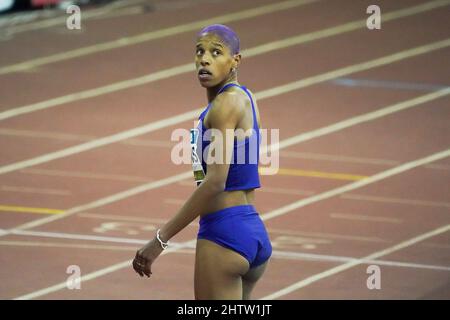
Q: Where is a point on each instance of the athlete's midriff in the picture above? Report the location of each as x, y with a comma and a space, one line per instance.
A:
228, 199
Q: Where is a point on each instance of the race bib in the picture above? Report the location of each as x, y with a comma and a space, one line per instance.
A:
197, 167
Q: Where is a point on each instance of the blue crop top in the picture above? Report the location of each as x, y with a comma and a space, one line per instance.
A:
243, 170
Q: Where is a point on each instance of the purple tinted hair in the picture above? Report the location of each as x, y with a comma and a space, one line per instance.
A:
226, 34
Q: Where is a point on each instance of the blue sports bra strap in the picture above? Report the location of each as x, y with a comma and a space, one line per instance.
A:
227, 86
255, 120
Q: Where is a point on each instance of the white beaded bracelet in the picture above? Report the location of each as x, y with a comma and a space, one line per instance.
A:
163, 244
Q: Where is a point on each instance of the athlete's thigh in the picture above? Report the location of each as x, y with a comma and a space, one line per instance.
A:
250, 279
218, 271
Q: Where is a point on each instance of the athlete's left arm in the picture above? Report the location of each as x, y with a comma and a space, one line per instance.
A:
224, 114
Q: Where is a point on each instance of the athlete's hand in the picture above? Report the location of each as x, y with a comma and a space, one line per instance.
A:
145, 256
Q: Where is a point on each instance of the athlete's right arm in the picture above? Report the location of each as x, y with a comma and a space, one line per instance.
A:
225, 114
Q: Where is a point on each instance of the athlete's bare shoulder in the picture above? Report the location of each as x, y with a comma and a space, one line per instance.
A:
228, 106
233, 98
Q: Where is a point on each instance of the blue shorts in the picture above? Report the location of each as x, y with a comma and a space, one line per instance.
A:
240, 229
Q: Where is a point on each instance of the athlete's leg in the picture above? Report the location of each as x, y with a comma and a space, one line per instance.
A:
250, 278
218, 272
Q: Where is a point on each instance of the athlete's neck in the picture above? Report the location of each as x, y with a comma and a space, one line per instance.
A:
213, 91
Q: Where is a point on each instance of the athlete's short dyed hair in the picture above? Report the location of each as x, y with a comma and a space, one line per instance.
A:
225, 33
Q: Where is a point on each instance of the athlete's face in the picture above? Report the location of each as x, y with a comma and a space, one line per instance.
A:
213, 60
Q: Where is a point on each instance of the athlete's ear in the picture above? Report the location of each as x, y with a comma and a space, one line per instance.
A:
236, 60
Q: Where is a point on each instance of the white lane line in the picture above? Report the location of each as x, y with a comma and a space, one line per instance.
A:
82, 246
262, 95
96, 274
362, 217
357, 184
356, 68
157, 221
149, 143
106, 200
303, 283
112, 217
413, 202
283, 241
276, 253
283, 144
331, 258
44, 134
65, 245
101, 272
284, 210
21, 189
349, 159
360, 119
188, 67
85, 174
387, 84
77, 137
337, 158
153, 126
158, 34
73, 236
325, 235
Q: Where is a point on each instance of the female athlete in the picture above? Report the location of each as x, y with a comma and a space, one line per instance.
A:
233, 247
